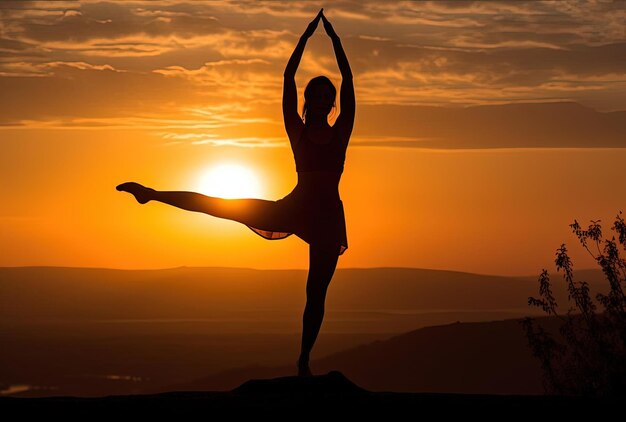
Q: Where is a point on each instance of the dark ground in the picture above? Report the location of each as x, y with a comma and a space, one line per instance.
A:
324, 395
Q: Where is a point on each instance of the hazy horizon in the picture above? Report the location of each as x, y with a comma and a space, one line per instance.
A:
551, 270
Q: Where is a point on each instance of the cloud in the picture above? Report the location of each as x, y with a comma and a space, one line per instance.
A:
111, 20
83, 90
90, 63
247, 79
524, 125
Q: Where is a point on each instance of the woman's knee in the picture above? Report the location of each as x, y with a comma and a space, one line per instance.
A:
250, 211
322, 257
318, 281
316, 289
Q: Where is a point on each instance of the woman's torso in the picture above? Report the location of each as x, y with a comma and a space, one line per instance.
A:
319, 162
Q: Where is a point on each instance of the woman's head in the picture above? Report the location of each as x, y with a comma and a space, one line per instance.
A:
319, 96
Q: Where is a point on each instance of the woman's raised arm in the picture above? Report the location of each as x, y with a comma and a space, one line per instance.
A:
348, 101
290, 94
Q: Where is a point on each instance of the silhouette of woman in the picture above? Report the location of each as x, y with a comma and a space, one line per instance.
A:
313, 210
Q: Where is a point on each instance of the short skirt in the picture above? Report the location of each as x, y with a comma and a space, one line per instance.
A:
318, 219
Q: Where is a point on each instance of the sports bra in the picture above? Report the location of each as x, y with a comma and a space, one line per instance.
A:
310, 156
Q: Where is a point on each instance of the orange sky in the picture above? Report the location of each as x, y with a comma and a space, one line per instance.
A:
482, 130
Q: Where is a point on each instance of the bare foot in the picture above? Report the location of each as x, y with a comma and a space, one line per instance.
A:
142, 193
303, 369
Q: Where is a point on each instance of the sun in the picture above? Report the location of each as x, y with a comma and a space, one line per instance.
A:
229, 181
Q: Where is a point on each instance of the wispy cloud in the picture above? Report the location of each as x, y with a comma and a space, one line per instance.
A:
149, 64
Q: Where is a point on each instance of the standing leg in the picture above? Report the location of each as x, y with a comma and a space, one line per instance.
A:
322, 266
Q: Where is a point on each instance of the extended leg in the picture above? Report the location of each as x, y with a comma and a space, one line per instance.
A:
252, 211
322, 266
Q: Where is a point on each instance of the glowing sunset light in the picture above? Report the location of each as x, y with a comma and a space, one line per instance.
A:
475, 123
230, 181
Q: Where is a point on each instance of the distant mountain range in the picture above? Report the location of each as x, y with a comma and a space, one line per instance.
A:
478, 358
193, 292
387, 329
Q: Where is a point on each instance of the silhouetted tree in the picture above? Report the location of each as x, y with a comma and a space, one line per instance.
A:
590, 356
